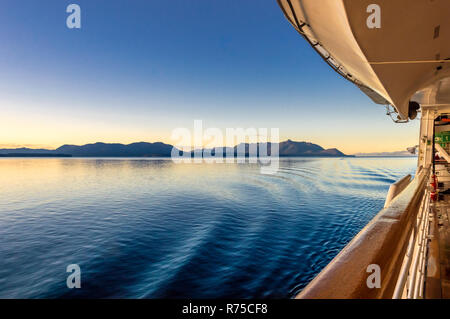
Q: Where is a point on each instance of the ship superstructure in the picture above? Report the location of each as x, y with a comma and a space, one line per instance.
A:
398, 53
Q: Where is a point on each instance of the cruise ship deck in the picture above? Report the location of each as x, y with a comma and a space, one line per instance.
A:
437, 283
398, 54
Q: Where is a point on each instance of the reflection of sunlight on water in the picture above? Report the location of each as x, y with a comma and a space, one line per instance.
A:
152, 228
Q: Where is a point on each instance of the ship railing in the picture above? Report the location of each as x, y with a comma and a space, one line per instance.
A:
386, 259
410, 284
396, 189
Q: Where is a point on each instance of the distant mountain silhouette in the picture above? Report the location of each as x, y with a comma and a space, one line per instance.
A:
143, 149
291, 148
387, 154
25, 151
287, 148
34, 155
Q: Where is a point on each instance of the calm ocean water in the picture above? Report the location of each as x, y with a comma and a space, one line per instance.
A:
153, 229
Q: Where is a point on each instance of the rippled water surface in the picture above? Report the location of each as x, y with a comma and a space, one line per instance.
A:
152, 228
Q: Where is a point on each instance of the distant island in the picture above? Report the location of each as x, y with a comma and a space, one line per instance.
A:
387, 154
158, 149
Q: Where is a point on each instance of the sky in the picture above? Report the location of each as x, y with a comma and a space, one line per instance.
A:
137, 70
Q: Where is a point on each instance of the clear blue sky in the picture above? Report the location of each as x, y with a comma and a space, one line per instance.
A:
139, 69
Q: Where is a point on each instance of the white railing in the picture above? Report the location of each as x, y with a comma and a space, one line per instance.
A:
411, 280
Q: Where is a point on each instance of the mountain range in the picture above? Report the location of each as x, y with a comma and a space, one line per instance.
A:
387, 154
158, 149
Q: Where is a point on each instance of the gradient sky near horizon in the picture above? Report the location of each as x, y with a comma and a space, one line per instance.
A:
139, 69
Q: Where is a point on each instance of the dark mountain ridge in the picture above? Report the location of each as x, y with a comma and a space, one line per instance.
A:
158, 149
286, 148
141, 149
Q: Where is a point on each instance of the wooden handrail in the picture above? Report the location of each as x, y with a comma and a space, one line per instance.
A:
382, 242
